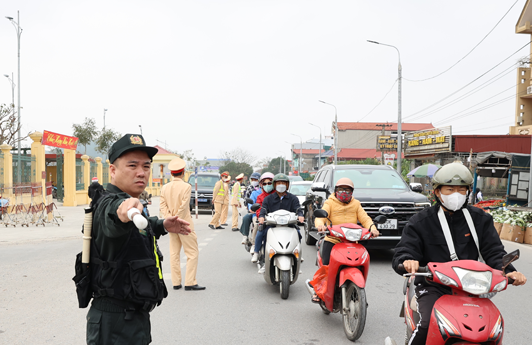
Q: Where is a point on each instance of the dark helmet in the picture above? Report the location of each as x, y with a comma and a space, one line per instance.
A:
281, 177
255, 176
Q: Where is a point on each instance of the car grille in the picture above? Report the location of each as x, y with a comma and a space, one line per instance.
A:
200, 195
403, 212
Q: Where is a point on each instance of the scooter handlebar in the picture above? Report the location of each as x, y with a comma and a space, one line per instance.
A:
421, 269
510, 280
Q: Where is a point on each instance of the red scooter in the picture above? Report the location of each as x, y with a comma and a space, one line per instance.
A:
463, 317
347, 274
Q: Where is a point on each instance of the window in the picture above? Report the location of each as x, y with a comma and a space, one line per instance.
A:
203, 181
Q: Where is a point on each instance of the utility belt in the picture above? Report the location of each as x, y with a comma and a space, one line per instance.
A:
113, 305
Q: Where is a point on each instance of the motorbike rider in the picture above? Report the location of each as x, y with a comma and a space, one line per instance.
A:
342, 207
267, 189
279, 200
247, 220
253, 185
423, 240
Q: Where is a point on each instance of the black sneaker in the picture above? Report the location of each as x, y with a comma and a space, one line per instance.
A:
235, 229
219, 227
211, 226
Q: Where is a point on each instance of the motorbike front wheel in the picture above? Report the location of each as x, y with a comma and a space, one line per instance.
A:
285, 284
355, 316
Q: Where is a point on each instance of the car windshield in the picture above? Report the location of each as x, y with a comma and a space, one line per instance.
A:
295, 178
299, 189
372, 178
203, 181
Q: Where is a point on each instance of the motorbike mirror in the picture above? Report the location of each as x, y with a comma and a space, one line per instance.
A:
149, 196
380, 219
509, 258
254, 207
249, 201
306, 202
321, 213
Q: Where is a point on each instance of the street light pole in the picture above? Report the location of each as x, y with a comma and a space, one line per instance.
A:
319, 151
104, 110
12, 90
300, 153
140, 126
19, 32
335, 132
399, 132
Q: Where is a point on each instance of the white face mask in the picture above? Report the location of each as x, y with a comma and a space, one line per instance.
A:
281, 188
254, 183
453, 202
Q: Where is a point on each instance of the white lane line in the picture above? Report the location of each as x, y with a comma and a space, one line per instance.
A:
208, 239
203, 244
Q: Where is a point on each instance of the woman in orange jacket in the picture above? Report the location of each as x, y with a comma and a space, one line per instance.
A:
342, 208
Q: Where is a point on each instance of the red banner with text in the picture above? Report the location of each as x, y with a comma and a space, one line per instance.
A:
59, 140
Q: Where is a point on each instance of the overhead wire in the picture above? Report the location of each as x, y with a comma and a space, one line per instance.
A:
383, 98
456, 63
463, 87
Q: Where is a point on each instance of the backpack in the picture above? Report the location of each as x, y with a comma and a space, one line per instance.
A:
82, 277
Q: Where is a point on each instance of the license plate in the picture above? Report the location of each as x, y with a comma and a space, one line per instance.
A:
202, 200
390, 224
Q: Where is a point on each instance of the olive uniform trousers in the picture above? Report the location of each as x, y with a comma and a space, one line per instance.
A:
216, 219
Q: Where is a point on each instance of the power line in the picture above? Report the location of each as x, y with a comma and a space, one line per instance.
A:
482, 40
471, 82
386, 95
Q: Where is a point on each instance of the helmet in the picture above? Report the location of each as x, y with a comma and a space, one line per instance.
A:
281, 177
266, 175
453, 174
255, 176
345, 181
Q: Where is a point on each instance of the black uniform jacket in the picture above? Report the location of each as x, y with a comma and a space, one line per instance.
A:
423, 239
273, 202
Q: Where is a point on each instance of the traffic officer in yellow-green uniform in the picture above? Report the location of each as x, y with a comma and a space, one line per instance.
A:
126, 271
218, 197
235, 201
225, 205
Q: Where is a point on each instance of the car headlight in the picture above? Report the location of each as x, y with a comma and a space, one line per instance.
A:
352, 234
445, 280
282, 220
474, 282
422, 204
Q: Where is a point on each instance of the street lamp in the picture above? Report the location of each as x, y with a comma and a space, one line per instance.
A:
319, 154
300, 153
104, 118
12, 90
19, 32
335, 132
140, 126
399, 132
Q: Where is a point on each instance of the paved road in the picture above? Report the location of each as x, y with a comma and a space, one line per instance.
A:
38, 303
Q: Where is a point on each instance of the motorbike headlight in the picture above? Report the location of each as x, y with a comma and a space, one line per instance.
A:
445, 325
352, 234
282, 220
336, 234
446, 280
501, 286
497, 329
474, 282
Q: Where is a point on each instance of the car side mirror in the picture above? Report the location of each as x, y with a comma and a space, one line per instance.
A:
416, 188
319, 187
509, 258
320, 213
380, 219
255, 207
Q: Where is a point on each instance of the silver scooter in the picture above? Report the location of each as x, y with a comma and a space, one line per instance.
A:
282, 251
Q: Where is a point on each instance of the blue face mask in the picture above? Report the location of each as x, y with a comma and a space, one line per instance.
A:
268, 188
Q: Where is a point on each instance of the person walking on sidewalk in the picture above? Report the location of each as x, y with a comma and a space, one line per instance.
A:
235, 201
218, 197
225, 205
175, 201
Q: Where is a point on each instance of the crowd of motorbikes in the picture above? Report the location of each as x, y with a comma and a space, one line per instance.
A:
465, 317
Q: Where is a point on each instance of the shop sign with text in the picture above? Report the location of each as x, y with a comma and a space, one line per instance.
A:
429, 141
59, 140
386, 143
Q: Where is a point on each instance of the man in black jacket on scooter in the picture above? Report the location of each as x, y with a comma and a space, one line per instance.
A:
423, 240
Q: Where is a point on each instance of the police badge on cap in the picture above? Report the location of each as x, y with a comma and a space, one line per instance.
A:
130, 142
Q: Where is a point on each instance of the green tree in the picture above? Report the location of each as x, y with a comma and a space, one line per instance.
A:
235, 169
105, 139
86, 132
368, 161
277, 164
9, 126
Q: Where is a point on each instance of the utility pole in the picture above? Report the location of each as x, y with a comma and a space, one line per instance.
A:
383, 125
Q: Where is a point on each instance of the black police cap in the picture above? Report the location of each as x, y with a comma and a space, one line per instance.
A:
130, 142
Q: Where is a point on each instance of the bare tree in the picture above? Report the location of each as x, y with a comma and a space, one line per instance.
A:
9, 126
263, 162
239, 155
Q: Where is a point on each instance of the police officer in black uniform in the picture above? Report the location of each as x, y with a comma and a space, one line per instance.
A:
126, 272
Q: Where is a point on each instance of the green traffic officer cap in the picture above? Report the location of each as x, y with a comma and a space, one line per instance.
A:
130, 142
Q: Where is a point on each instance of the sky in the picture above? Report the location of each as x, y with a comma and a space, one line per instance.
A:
213, 76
